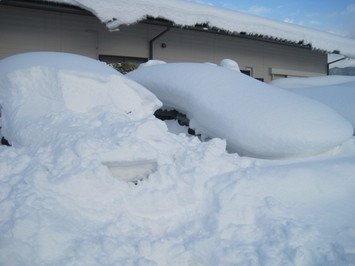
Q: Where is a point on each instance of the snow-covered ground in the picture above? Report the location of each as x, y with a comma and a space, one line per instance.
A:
78, 128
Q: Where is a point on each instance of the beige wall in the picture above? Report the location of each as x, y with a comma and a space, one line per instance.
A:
182, 45
24, 30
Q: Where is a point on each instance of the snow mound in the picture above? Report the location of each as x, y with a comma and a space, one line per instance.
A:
256, 119
230, 64
37, 87
337, 92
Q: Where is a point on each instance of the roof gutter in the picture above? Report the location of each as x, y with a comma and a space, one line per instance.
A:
328, 64
208, 29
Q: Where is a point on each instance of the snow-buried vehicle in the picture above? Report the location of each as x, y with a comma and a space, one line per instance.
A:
256, 119
77, 106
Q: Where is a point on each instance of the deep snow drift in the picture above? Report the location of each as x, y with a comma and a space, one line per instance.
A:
60, 204
256, 119
337, 92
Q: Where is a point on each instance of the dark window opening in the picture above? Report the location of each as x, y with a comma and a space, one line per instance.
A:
249, 71
246, 72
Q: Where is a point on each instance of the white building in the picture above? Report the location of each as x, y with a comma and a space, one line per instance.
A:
172, 30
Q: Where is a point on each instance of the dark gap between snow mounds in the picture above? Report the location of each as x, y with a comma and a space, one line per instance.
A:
182, 119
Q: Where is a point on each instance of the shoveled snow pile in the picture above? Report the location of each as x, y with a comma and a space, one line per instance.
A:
256, 119
337, 92
184, 13
61, 203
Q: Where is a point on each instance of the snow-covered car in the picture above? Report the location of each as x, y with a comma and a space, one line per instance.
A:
256, 119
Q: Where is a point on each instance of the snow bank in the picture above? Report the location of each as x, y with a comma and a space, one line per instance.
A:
256, 119
61, 205
337, 92
184, 13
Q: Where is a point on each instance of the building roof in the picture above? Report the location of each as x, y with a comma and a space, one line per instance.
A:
115, 13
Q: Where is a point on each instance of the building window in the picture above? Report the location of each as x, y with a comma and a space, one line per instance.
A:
247, 71
123, 64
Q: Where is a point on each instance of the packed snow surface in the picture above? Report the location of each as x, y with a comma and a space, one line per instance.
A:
62, 204
184, 13
256, 119
338, 92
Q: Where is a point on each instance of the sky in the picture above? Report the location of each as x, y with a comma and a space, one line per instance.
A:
335, 16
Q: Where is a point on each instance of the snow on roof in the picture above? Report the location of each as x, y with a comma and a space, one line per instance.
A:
184, 13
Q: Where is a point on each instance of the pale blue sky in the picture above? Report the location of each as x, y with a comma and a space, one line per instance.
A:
336, 16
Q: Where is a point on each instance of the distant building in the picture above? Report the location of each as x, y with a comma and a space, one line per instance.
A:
55, 26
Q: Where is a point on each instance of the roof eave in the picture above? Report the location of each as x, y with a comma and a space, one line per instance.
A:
66, 8
47, 6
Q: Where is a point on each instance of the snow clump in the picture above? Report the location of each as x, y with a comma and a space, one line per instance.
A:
230, 64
